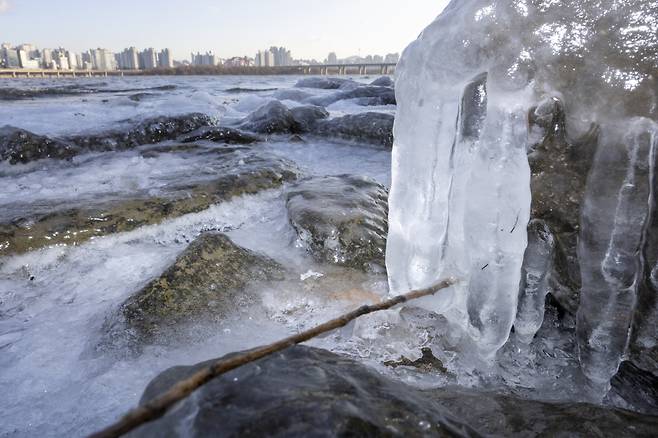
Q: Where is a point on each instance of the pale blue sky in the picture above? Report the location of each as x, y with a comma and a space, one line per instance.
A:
310, 28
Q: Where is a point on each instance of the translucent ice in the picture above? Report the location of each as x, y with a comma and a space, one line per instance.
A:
460, 198
534, 280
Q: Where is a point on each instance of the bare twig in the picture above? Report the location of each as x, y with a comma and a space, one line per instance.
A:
157, 407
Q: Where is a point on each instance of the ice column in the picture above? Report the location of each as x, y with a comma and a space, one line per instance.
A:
615, 215
534, 280
460, 197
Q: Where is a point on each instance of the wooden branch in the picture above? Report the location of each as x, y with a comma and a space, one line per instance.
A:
157, 407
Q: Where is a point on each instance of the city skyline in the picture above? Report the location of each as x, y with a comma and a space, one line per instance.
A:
309, 29
30, 56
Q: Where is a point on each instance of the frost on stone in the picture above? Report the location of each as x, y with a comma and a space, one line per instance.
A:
463, 191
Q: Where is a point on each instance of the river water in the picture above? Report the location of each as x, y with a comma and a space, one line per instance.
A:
53, 302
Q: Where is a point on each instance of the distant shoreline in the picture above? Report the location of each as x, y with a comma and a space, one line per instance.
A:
347, 69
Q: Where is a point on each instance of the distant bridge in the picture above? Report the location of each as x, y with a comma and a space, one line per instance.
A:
321, 69
344, 69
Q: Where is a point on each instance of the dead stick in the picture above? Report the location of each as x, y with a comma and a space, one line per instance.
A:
157, 407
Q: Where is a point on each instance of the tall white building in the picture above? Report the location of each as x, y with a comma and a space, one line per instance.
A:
26, 61
73, 61
209, 58
264, 58
129, 59
79, 62
62, 61
47, 58
165, 59
282, 56
9, 56
102, 59
149, 58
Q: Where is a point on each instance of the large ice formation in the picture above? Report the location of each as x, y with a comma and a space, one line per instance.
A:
485, 86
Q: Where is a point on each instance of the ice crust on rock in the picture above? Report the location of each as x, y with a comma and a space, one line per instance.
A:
461, 186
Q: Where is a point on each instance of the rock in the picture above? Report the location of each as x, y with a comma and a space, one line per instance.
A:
275, 118
271, 118
326, 83
341, 219
149, 131
292, 94
634, 388
305, 391
427, 362
365, 95
370, 127
240, 90
21, 146
384, 81
220, 134
241, 172
208, 279
306, 116
138, 97
559, 167
38, 92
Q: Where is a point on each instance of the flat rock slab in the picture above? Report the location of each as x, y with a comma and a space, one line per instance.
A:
304, 391
21, 146
220, 134
326, 83
371, 127
366, 95
150, 131
240, 172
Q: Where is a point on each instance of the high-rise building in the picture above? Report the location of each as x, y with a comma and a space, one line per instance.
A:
392, 58
332, 58
281, 56
129, 59
269, 59
149, 59
165, 59
264, 58
9, 56
72, 60
25, 61
61, 60
258, 59
102, 59
47, 58
209, 58
30, 50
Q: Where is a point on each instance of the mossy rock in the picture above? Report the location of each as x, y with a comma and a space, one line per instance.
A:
243, 172
208, 279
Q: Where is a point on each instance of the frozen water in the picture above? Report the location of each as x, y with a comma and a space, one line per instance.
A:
534, 280
53, 302
617, 209
460, 197
460, 193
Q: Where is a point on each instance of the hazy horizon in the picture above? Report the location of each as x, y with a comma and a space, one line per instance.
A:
309, 29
